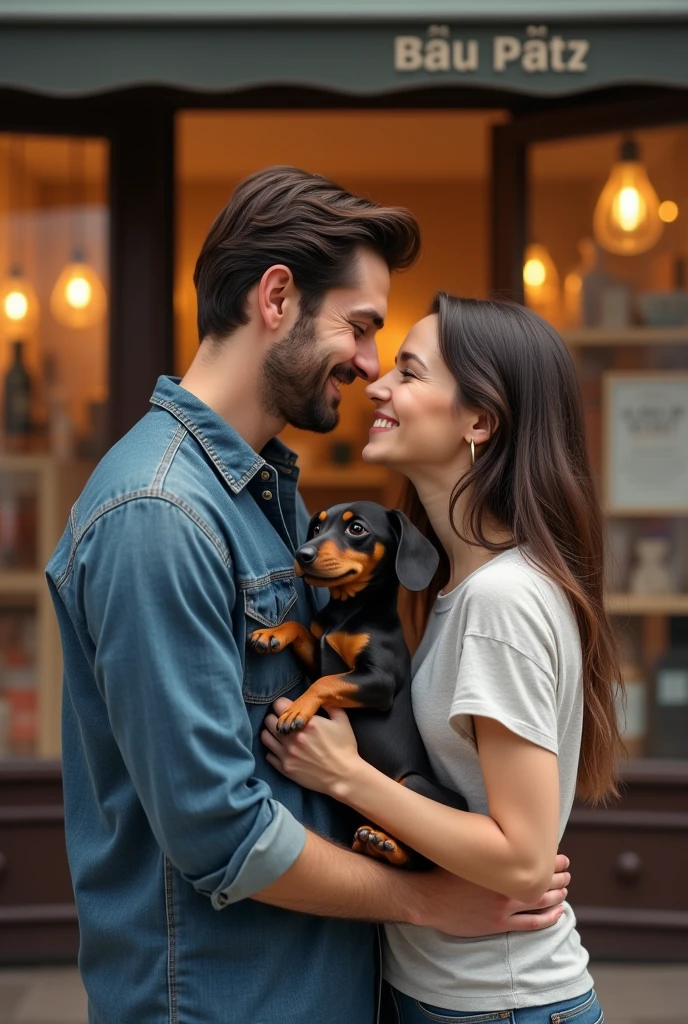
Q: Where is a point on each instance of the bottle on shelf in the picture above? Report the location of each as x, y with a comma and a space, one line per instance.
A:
18, 398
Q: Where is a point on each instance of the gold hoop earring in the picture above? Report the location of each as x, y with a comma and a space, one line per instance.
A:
472, 452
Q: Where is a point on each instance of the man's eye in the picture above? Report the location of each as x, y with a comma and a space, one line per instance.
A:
358, 330
356, 529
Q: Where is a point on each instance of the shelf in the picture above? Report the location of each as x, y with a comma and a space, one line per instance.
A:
597, 337
21, 583
644, 513
647, 604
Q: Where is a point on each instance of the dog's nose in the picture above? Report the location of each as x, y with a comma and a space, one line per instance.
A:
306, 554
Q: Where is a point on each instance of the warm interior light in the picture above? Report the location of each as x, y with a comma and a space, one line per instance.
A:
18, 305
78, 298
541, 282
627, 219
628, 208
78, 292
534, 273
668, 211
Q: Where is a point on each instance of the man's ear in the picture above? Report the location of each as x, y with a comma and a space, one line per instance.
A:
275, 289
417, 559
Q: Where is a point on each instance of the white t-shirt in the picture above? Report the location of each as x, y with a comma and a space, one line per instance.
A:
504, 645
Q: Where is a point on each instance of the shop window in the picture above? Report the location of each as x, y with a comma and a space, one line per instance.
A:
606, 263
437, 163
54, 239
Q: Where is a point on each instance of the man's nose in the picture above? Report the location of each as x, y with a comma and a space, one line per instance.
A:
366, 361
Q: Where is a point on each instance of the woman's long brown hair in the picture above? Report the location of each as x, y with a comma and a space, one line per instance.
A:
533, 476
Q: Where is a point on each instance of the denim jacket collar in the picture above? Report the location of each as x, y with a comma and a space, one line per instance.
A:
234, 459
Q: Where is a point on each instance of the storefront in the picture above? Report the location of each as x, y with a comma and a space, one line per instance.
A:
545, 159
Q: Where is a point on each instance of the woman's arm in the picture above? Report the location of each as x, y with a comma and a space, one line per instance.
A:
512, 851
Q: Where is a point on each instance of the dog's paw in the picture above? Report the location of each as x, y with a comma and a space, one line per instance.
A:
374, 843
294, 719
266, 641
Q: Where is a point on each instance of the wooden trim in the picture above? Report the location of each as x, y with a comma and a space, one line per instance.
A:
29, 814
610, 337
509, 214
142, 239
652, 821
592, 117
655, 772
41, 913
665, 920
29, 770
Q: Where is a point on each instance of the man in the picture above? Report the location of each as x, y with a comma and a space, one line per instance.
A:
180, 545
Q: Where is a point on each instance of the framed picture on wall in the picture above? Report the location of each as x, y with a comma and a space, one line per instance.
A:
645, 443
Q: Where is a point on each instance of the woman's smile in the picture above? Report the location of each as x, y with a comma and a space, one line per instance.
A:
383, 423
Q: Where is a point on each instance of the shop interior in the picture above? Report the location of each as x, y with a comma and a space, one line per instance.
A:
606, 263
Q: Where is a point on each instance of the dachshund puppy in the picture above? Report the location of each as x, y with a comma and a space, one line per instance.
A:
355, 649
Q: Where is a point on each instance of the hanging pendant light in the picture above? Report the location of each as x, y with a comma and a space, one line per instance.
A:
19, 307
78, 297
540, 278
626, 219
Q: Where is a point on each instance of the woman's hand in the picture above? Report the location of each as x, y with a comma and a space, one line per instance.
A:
323, 756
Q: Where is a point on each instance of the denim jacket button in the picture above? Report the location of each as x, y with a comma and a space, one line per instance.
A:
267, 495
265, 475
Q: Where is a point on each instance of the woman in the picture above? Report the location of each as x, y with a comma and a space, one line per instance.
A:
513, 686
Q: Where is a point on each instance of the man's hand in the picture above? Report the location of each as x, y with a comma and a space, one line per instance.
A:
461, 908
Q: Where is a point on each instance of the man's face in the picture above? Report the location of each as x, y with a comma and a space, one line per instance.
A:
303, 372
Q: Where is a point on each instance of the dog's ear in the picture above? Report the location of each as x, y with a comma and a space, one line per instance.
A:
417, 559
311, 526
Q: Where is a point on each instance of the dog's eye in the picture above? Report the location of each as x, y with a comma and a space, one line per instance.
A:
316, 529
356, 530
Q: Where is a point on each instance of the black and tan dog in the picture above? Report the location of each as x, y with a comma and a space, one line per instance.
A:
355, 650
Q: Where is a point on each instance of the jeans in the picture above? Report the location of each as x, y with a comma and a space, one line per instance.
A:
581, 1010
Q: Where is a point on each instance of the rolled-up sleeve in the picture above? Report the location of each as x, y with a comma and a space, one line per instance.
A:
157, 596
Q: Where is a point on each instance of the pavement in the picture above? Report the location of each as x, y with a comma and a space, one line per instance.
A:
629, 993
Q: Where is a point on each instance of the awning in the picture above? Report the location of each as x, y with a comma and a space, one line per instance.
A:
63, 48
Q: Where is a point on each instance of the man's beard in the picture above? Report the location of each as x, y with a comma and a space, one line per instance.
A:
294, 380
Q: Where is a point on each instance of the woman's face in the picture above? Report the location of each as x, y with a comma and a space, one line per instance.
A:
417, 422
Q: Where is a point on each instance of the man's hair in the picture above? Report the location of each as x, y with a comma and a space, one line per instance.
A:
283, 215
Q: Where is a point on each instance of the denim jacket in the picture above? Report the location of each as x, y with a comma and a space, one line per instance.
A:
179, 546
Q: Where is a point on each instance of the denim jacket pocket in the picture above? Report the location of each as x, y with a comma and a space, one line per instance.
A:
267, 602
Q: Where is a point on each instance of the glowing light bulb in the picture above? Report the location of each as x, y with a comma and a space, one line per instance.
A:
78, 292
541, 282
668, 211
534, 273
78, 298
18, 305
627, 220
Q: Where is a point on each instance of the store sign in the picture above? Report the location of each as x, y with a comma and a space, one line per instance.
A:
535, 51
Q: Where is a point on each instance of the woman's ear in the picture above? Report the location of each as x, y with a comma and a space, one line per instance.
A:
417, 559
482, 428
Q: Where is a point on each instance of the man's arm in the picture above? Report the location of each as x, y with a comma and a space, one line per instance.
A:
332, 882
158, 601
158, 598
